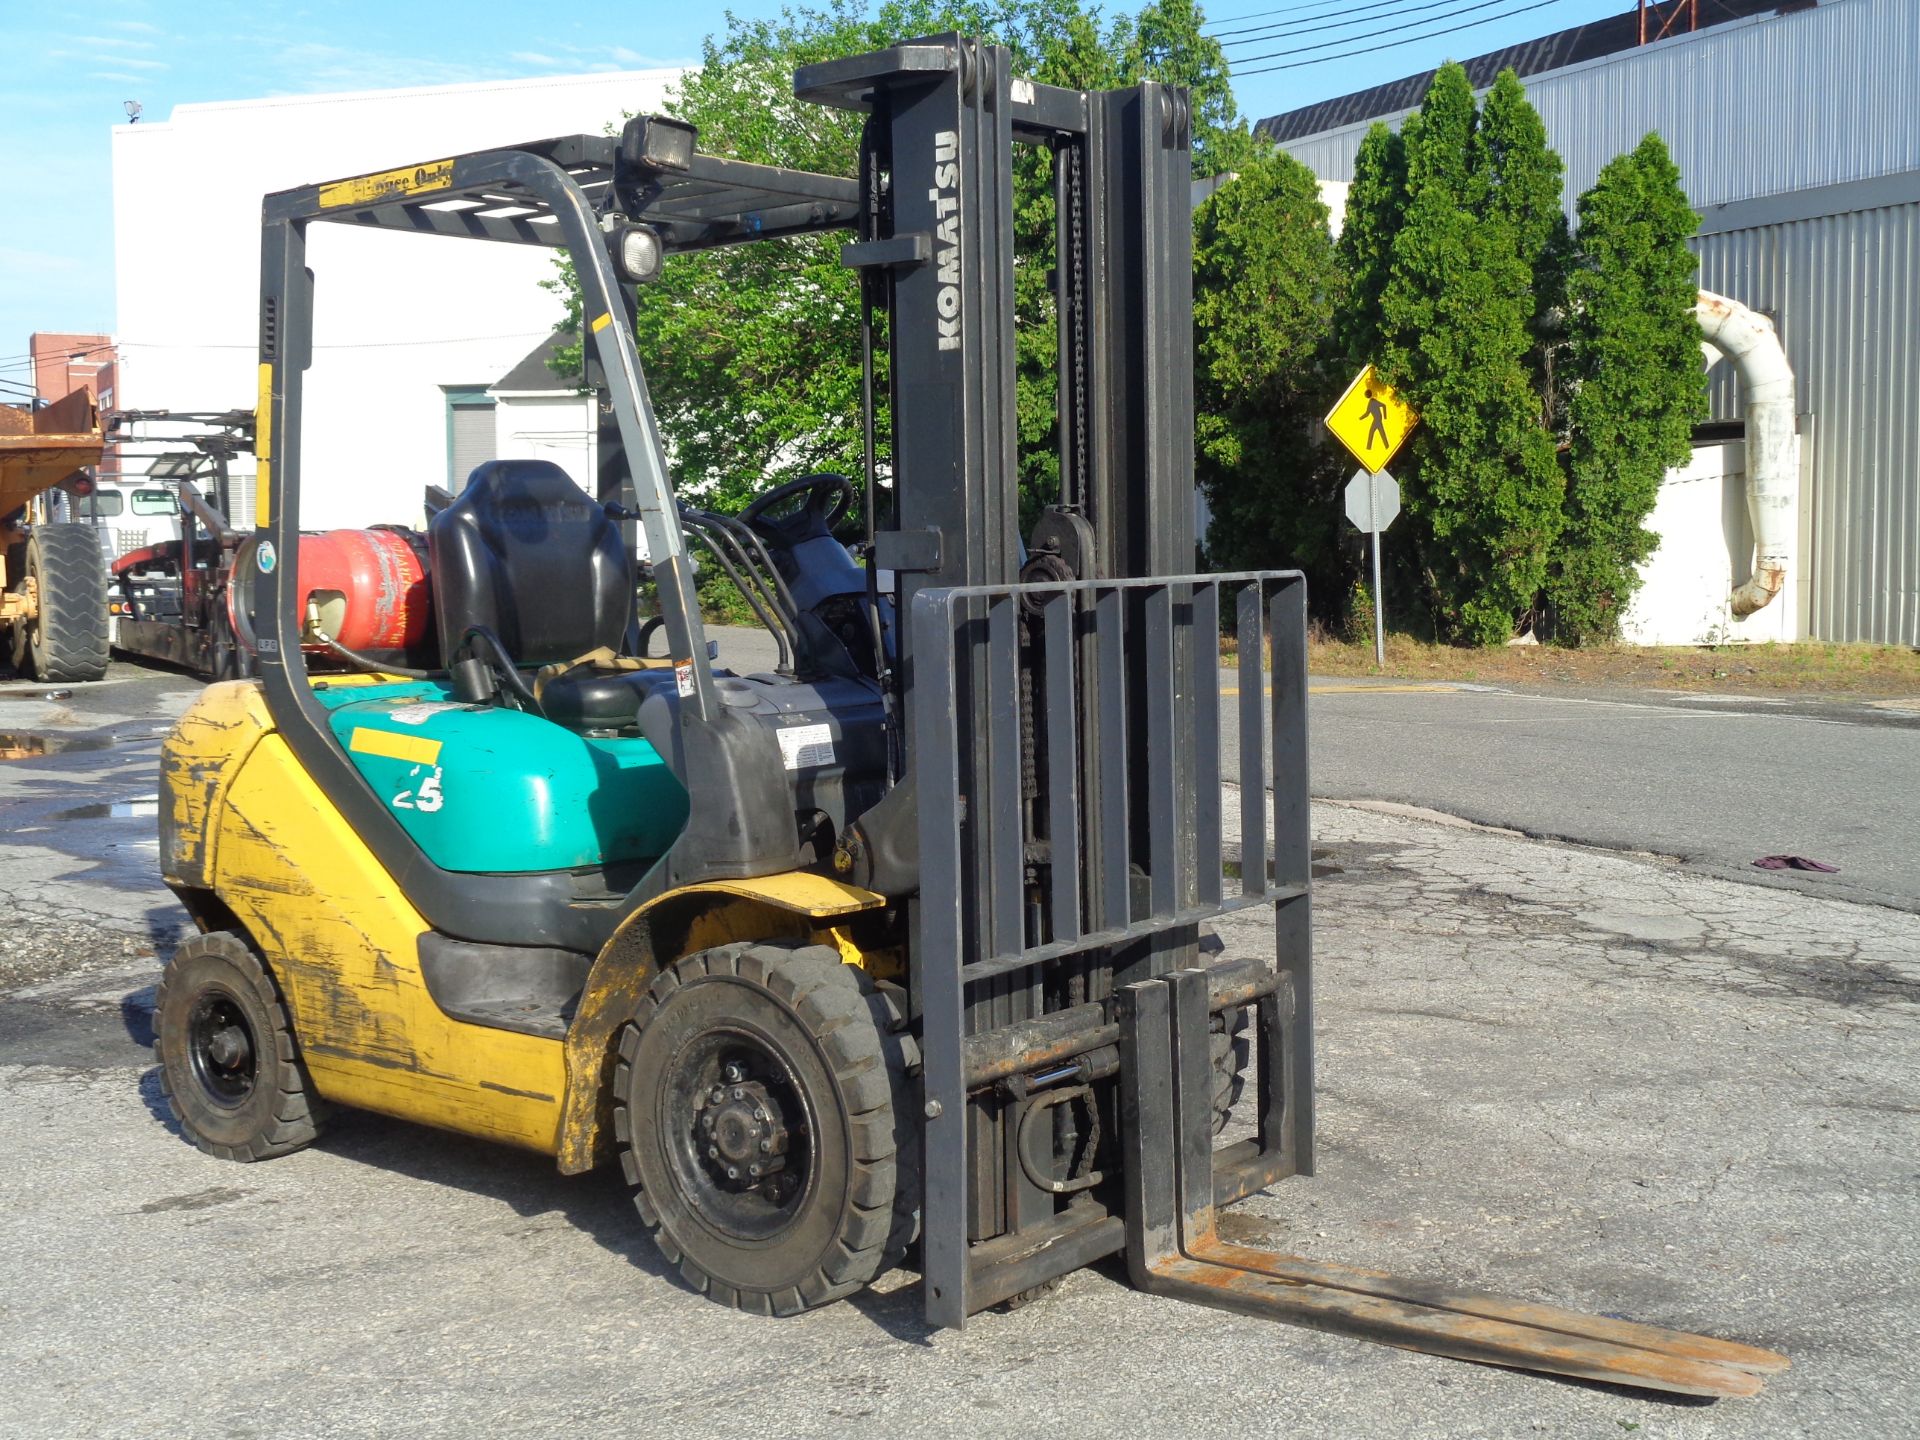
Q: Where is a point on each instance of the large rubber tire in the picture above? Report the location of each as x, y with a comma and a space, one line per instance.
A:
67, 640
1231, 1048
816, 1047
229, 1063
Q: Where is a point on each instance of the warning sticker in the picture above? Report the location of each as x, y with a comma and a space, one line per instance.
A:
388, 185
683, 677
424, 711
804, 746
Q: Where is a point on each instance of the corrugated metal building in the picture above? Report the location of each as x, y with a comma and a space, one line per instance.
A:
1798, 140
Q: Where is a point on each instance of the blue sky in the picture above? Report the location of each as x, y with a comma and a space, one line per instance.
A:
69, 68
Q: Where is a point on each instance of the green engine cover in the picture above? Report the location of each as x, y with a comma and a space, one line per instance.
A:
482, 789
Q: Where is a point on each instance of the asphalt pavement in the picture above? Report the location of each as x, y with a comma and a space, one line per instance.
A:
1713, 782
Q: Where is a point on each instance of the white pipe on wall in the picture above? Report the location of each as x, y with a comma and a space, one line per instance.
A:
1773, 472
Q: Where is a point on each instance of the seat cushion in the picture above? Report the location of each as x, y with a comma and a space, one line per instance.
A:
600, 700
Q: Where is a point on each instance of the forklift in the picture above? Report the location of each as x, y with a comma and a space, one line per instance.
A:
173, 600
897, 948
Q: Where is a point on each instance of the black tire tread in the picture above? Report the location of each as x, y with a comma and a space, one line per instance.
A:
1231, 1048
854, 1023
72, 625
299, 1114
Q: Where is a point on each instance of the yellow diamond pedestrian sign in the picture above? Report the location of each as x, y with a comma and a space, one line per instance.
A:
1371, 421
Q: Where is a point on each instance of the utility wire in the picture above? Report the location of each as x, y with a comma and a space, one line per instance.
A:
12, 362
1321, 5
1357, 17
1389, 45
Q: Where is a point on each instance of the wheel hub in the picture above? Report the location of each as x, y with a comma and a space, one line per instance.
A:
220, 1044
742, 1141
744, 1131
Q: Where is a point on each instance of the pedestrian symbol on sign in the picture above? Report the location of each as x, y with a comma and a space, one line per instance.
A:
1377, 420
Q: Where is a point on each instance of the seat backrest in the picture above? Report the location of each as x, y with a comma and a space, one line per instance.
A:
527, 553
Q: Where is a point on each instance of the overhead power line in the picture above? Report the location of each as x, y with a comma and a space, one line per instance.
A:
1388, 45
29, 360
1358, 16
1324, 6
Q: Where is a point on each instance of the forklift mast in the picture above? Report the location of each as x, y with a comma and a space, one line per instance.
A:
945, 117
1060, 702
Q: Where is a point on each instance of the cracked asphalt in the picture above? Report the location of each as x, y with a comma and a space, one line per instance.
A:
1606, 1081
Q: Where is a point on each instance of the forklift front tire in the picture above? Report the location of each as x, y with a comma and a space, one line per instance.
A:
228, 1064
762, 1113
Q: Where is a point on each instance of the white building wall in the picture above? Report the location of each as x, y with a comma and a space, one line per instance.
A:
560, 428
397, 317
1706, 549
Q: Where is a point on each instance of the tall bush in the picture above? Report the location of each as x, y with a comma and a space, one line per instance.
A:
1636, 384
1483, 490
1265, 281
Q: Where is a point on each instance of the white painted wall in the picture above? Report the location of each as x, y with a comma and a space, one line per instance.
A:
537, 426
1706, 549
396, 316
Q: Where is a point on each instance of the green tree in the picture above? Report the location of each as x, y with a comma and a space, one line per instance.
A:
1637, 385
1483, 489
1166, 43
1524, 179
1376, 208
1265, 283
752, 352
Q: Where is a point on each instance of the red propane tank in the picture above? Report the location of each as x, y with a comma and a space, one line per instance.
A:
368, 586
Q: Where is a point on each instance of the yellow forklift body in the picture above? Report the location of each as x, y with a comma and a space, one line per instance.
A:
247, 824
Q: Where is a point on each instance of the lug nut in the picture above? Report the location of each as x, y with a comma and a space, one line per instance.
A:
718, 1095
733, 1172
753, 1169
766, 1147
735, 1072
737, 1093
713, 1152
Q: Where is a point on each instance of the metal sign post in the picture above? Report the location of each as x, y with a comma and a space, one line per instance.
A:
1372, 503
1373, 422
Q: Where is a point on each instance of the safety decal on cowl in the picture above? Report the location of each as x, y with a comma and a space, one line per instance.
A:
805, 746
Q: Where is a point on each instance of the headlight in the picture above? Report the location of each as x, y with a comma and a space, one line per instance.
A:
638, 252
654, 142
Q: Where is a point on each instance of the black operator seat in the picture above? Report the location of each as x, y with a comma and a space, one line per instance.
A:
530, 555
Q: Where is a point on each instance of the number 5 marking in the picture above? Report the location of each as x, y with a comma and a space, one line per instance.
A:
427, 799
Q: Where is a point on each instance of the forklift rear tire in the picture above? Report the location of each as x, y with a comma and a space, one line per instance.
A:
1231, 1047
763, 1114
67, 640
228, 1063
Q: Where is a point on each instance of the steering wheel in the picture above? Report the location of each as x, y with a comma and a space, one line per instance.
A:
828, 498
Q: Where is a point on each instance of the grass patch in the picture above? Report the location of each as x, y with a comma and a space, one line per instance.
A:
1816, 667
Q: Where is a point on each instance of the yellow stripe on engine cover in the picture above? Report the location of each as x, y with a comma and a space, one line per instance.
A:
416, 749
